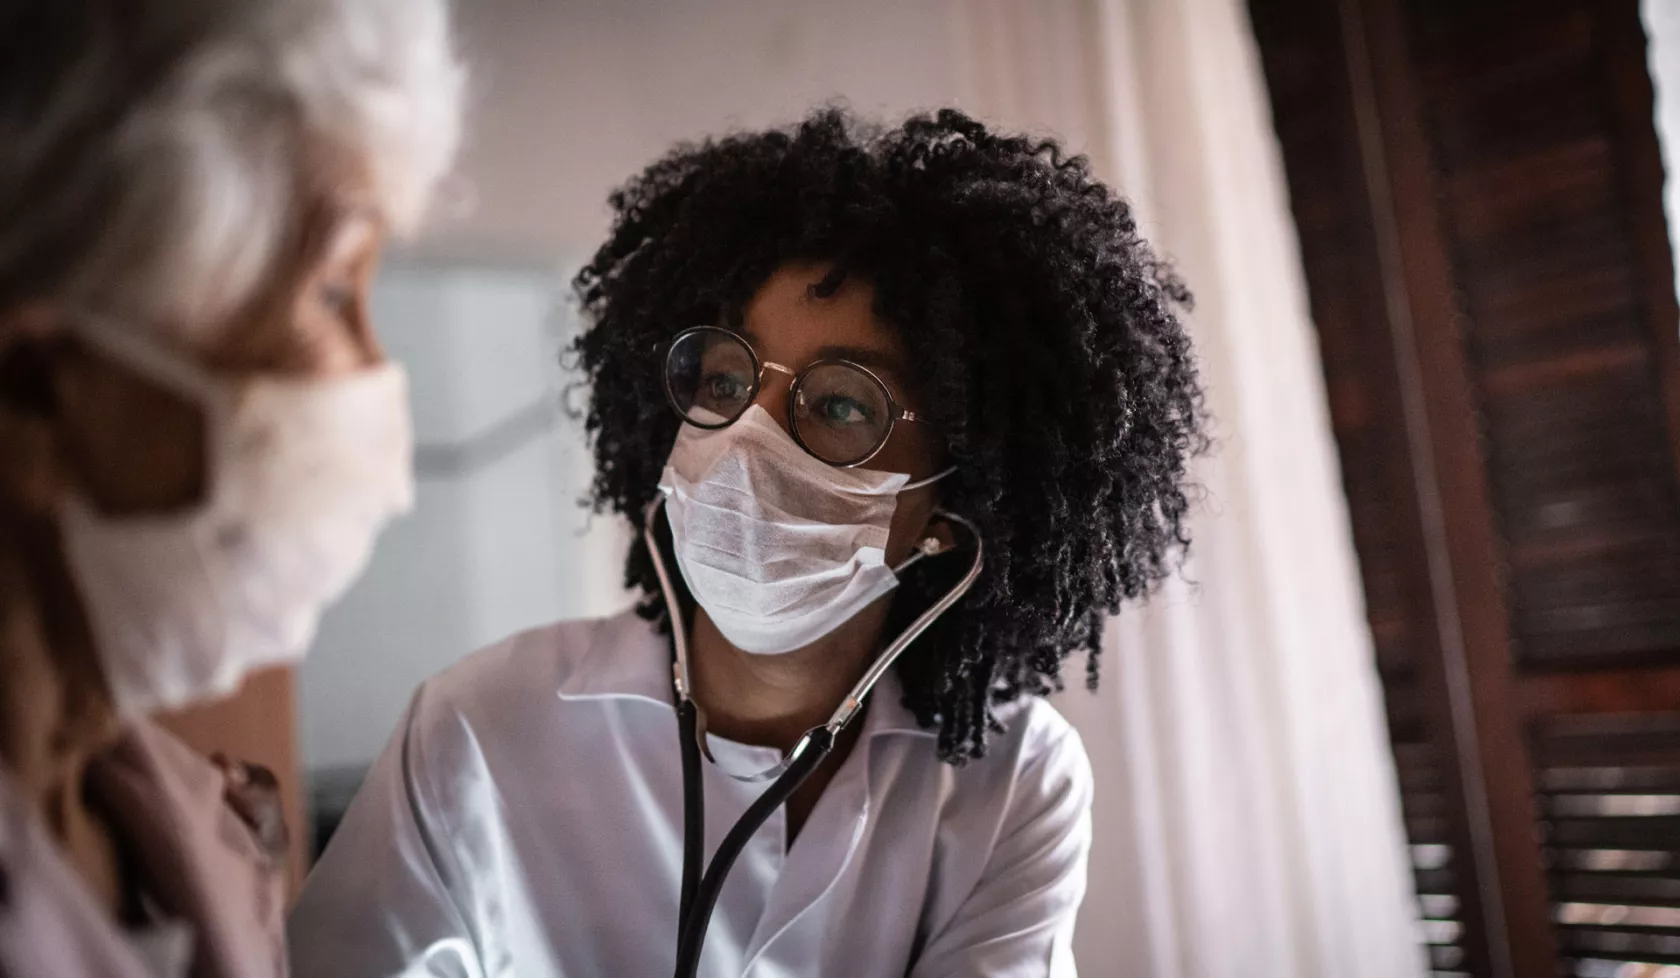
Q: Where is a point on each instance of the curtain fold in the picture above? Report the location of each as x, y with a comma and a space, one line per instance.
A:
1247, 816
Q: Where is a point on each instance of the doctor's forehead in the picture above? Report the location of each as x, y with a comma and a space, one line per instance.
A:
788, 322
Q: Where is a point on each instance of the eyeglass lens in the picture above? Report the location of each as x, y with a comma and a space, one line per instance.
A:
711, 376
841, 414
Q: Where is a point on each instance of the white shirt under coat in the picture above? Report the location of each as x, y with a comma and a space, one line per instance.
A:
526, 820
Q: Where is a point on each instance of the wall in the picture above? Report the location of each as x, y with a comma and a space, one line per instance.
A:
574, 97
497, 541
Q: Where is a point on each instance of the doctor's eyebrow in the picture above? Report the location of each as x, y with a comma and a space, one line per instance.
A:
876, 360
873, 359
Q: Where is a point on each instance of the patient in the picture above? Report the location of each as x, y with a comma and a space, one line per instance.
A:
199, 434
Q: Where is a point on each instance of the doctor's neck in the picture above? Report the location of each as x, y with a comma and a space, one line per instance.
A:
772, 700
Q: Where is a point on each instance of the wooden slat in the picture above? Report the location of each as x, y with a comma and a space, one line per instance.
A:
1645, 889
1648, 690
1440, 881
1640, 944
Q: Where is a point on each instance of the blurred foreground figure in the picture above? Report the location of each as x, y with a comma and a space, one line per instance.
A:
199, 435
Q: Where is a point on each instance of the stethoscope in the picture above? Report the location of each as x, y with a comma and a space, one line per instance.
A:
699, 893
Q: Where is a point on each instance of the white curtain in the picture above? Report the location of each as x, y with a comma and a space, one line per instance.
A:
1662, 56
1247, 816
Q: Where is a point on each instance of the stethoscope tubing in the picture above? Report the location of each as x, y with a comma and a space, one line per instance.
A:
700, 889
694, 816
694, 923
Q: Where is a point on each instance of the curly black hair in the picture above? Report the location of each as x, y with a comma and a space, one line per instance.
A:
1045, 331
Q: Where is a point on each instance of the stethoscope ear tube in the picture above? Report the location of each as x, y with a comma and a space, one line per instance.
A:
698, 913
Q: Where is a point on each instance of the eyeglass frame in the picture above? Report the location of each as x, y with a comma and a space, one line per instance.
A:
896, 412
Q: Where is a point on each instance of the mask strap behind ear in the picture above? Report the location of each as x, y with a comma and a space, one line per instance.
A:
930, 480
152, 358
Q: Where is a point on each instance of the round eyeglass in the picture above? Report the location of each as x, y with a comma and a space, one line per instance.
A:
838, 411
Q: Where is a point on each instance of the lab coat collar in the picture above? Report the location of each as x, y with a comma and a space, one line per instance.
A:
628, 658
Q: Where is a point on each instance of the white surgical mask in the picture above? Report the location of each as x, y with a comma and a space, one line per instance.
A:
302, 476
778, 547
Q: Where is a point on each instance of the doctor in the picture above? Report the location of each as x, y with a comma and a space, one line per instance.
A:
842, 378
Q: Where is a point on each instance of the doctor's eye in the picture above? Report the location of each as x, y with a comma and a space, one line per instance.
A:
838, 409
722, 389
710, 376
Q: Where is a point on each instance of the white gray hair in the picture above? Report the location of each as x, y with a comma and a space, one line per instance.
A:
155, 154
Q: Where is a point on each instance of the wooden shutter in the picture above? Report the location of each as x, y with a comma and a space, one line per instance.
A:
1610, 804
1477, 187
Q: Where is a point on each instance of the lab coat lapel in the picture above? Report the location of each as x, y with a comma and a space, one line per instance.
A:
752, 883
819, 857
836, 832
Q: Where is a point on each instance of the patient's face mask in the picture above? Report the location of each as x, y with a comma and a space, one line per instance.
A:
778, 547
303, 473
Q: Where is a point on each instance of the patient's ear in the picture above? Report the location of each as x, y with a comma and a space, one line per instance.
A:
32, 348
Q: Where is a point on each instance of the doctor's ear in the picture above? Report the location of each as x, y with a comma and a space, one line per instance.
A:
938, 538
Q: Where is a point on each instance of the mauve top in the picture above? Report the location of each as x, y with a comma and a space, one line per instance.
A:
201, 840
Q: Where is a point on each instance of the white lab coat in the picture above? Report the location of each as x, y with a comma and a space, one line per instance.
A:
526, 820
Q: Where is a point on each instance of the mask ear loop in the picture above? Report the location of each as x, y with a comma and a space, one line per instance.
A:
150, 357
853, 701
930, 480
